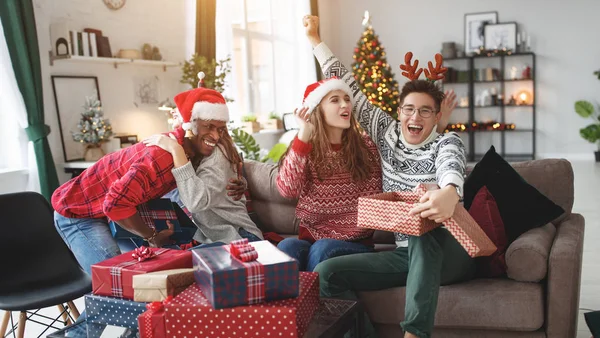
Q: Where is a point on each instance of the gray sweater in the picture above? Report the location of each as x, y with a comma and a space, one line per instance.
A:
203, 192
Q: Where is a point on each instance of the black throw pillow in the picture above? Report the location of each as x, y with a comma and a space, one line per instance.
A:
522, 207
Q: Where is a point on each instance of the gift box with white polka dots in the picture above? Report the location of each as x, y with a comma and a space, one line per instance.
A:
191, 315
113, 311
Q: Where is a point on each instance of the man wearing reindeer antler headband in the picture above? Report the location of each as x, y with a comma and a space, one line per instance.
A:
412, 152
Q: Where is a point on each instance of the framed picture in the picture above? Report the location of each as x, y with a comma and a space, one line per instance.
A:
500, 36
69, 98
474, 29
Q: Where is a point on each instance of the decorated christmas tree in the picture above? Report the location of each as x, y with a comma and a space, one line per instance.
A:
373, 73
93, 128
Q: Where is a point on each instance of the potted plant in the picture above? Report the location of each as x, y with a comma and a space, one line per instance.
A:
591, 133
273, 122
214, 73
251, 150
250, 124
93, 129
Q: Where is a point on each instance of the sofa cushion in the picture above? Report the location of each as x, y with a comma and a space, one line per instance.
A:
527, 257
521, 206
485, 212
485, 304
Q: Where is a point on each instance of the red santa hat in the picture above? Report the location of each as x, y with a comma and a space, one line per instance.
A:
200, 104
317, 91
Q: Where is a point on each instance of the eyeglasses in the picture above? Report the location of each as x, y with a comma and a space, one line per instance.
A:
423, 112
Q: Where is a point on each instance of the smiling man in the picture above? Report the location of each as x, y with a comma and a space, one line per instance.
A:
115, 185
203, 164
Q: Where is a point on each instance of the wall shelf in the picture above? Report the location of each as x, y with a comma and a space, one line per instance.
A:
114, 61
474, 154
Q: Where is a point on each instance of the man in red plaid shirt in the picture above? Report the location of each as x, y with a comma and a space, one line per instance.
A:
113, 188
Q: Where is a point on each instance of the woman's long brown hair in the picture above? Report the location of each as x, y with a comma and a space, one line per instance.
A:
355, 154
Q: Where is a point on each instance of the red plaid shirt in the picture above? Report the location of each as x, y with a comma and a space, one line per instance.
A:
115, 185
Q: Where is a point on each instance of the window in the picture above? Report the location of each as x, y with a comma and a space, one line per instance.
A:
271, 59
13, 140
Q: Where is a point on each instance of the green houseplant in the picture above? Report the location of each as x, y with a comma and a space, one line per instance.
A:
251, 150
250, 124
590, 133
215, 72
273, 122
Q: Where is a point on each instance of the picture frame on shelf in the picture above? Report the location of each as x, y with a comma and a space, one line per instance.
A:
474, 29
69, 97
501, 36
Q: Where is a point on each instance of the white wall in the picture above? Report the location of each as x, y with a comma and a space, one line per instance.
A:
564, 37
153, 21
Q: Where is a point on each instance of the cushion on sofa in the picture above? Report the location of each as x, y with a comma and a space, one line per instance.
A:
521, 206
485, 212
484, 304
527, 256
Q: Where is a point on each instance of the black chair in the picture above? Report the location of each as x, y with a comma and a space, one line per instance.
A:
38, 270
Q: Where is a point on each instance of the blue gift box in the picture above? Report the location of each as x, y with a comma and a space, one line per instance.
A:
227, 281
113, 311
155, 213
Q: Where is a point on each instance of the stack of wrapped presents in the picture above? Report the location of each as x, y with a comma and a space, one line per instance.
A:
239, 289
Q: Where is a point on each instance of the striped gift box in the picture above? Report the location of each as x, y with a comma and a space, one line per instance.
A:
389, 212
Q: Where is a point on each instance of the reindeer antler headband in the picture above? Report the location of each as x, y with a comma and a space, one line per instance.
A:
412, 71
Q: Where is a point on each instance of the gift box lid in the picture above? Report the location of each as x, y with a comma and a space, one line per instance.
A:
162, 279
219, 258
164, 257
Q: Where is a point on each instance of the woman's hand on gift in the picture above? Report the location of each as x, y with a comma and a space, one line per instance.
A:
306, 127
437, 205
311, 23
163, 237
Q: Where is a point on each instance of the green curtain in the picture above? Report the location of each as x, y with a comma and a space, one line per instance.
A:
314, 10
18, 21
206, 12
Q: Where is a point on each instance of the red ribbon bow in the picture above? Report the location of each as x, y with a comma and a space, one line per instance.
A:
158, 306
243, 251
142, 253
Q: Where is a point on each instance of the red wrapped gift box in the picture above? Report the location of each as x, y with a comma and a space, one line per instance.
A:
152, 322
114, 277
389, 212
191, 315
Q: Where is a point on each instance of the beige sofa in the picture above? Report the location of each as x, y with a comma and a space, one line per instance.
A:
539, 298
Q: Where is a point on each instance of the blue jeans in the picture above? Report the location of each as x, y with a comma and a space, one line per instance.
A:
89, 239
309, 255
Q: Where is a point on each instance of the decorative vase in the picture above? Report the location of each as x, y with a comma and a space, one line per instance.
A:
448, 50
93, 152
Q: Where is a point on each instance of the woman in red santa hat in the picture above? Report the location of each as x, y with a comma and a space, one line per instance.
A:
329, 165
203, 165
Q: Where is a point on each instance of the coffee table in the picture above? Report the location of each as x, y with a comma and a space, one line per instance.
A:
333, 319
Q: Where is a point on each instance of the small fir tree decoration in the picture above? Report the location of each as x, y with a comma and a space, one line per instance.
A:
372, 71
93, 128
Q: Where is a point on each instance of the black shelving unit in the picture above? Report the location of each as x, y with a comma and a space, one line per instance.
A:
475, 154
